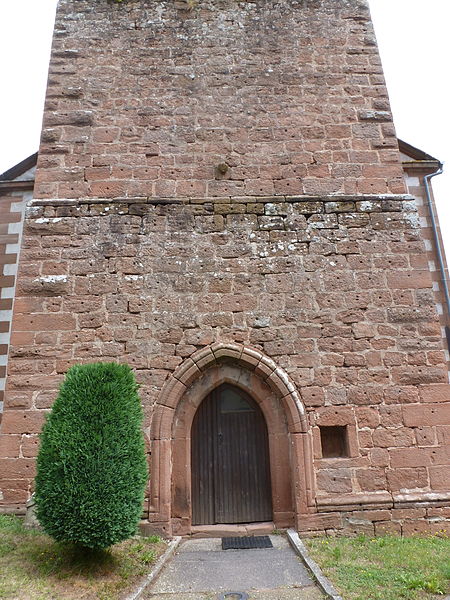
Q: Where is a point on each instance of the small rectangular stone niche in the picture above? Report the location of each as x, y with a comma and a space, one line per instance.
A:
334, 441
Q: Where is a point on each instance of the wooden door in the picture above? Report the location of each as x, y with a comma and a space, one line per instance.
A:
230, 460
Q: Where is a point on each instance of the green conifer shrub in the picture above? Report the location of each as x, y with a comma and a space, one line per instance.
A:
91, 466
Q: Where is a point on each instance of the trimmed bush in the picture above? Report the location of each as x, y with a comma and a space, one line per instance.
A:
91, 466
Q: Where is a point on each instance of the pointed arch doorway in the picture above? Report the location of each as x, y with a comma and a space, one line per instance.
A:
230, 466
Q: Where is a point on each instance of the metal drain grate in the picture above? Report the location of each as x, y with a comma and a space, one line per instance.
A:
246, 543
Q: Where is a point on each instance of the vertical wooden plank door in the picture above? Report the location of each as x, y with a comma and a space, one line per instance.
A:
230, 460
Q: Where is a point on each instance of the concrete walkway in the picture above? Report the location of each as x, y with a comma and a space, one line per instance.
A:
201, 570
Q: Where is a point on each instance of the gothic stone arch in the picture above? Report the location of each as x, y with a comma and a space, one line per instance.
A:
289, 437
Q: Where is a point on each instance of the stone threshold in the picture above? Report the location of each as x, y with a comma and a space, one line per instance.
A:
231, 530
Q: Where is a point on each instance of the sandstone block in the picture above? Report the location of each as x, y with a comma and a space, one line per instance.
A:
417, 415
401, 479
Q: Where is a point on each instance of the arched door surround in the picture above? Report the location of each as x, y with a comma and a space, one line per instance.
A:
291, 469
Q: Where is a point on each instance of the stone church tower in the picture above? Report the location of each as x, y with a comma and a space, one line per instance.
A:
220, 202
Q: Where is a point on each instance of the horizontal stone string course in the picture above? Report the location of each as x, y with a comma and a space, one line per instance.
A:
381, 513
368, 202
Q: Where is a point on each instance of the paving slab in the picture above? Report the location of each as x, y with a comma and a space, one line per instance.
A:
200, 570
306, 593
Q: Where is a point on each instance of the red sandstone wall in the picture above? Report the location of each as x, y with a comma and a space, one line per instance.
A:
336, 298
147, 99
140, 250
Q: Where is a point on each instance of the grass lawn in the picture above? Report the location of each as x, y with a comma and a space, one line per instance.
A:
34, 567
385, 568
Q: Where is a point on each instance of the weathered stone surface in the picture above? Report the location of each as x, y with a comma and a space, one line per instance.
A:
219, 188
137, 152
